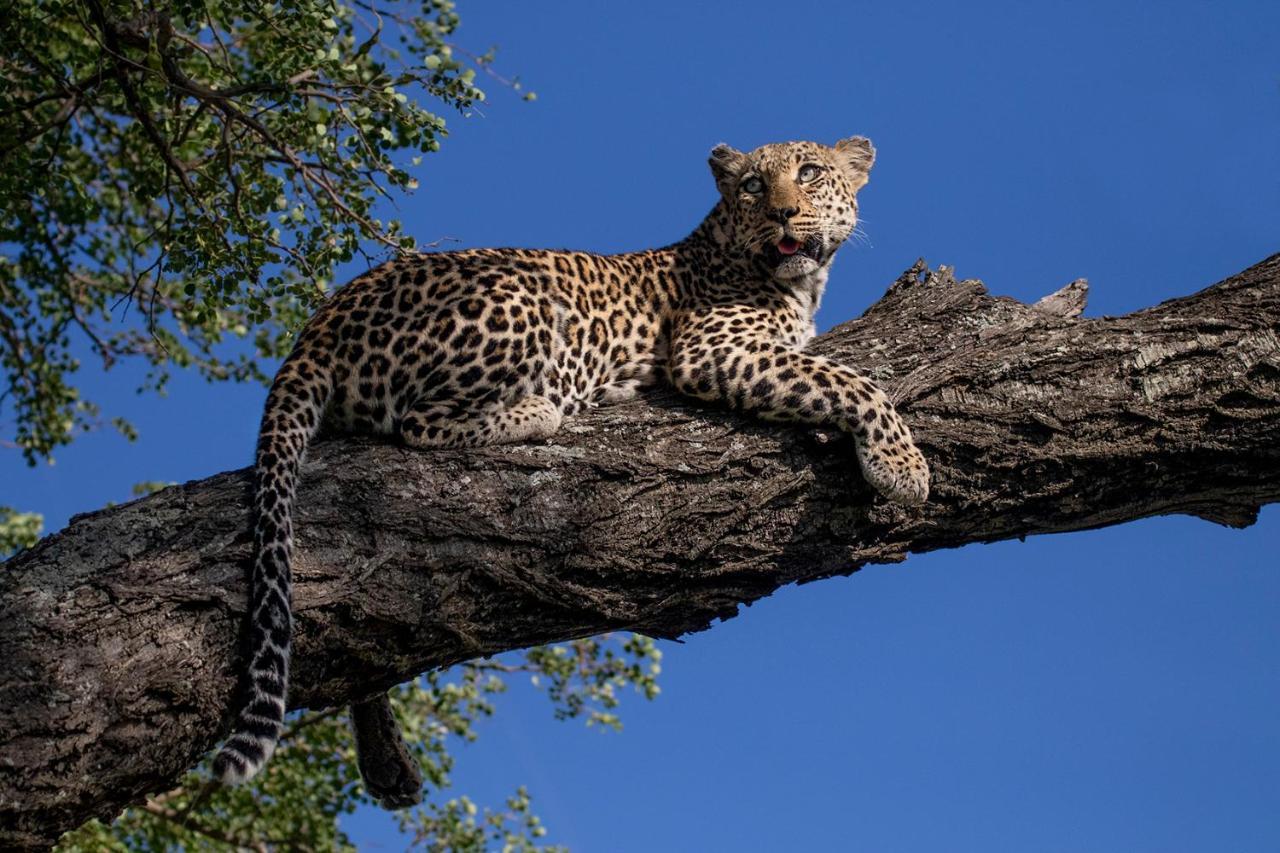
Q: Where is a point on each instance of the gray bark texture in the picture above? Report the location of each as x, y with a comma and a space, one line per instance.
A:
119, 636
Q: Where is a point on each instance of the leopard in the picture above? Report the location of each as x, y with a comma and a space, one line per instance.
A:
473, 347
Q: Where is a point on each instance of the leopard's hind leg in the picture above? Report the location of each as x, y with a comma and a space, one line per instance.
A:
390, 773
435, 423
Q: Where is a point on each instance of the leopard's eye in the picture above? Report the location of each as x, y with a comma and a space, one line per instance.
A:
809, 172
753, 186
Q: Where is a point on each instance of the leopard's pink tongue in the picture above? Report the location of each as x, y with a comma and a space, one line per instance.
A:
788, 246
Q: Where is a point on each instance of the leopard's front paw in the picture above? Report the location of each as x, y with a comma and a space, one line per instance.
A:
897, 471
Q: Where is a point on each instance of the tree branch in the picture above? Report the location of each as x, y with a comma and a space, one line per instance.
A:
186, 822
119, 636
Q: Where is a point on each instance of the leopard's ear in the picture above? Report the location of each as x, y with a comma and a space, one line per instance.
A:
856, 155
726, 166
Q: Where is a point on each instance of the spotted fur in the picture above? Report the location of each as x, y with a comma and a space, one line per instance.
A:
459, 349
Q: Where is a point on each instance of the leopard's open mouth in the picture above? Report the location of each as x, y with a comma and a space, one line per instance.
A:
789, 247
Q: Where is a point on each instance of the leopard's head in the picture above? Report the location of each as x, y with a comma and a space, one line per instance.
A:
790, 205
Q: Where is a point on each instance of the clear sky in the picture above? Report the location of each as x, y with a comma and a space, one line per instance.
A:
1106, 691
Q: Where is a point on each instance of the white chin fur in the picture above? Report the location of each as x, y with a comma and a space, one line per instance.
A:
796, 266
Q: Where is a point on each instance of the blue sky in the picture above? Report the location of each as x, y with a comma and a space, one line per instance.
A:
1112, 690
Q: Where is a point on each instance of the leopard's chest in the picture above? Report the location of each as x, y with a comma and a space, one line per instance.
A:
804, 299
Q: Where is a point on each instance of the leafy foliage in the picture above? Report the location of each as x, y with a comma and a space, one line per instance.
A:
581, 677
312, 781
179, 180
18, 529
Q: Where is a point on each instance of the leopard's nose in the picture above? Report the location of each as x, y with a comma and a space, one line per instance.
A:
782, 214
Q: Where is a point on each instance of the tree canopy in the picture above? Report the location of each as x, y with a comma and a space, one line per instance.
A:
181, 179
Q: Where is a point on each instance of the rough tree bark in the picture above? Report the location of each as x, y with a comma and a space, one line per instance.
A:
119, 635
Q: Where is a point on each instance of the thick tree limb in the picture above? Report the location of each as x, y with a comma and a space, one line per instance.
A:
119, 635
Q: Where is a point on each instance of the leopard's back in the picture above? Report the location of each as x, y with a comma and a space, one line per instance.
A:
489, 327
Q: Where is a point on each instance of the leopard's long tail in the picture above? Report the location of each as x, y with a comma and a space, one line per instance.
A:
289, 421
